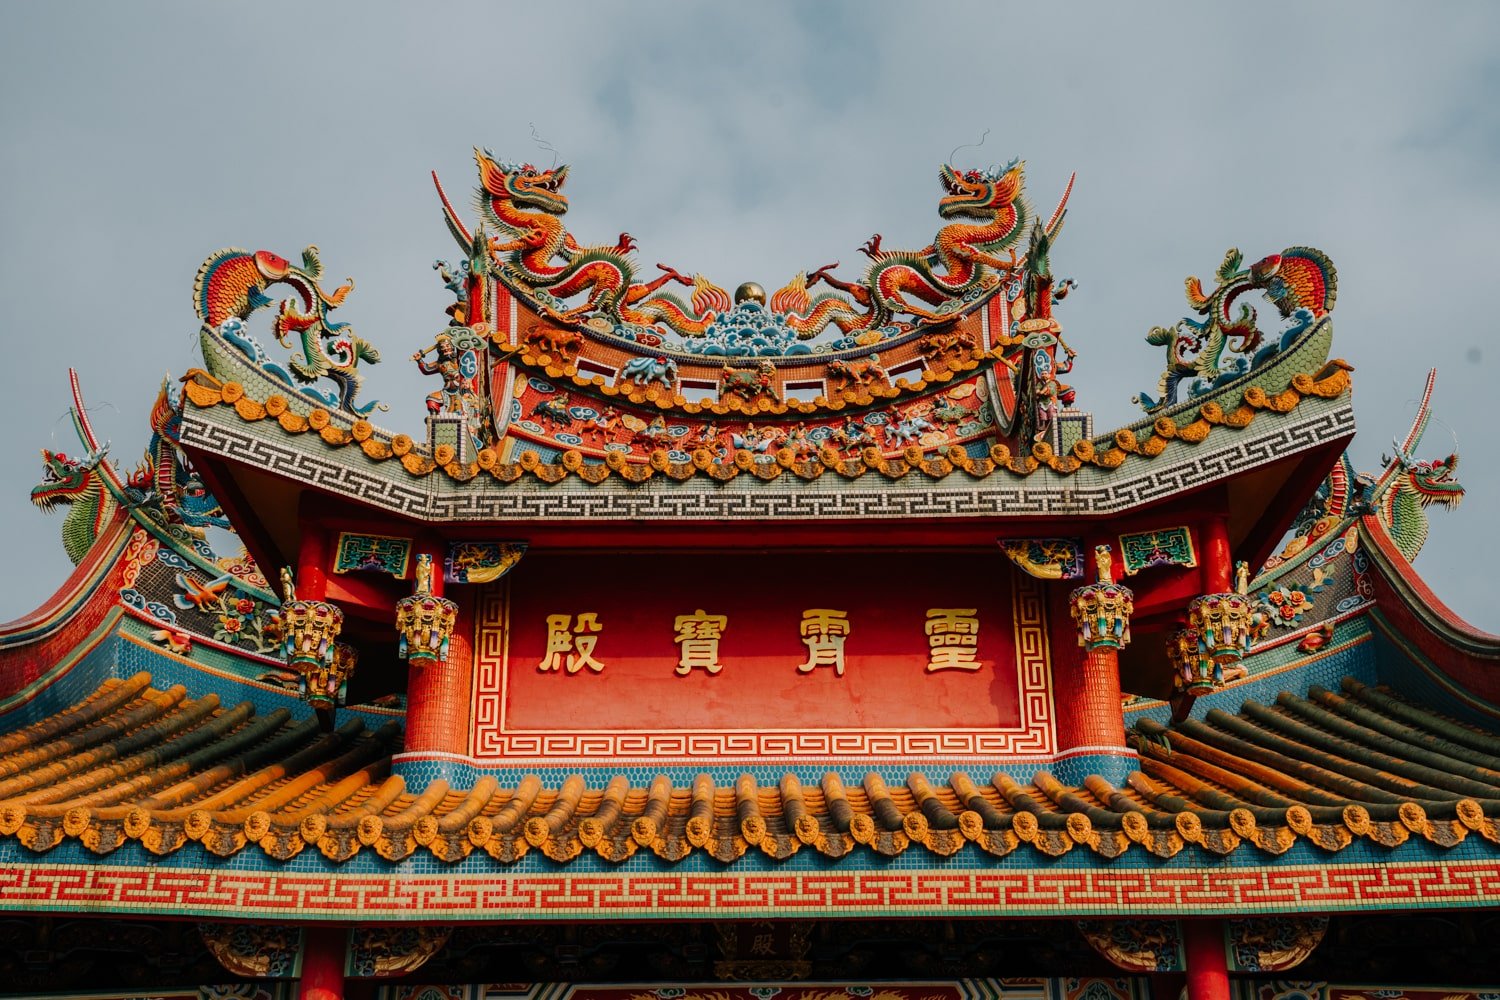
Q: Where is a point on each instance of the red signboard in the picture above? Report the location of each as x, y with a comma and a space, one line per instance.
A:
590, 658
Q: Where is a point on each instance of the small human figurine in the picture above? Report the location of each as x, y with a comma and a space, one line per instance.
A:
453, 396
288, 585
1104, 563
602, 426
423, 574
1047, 406
1242, 577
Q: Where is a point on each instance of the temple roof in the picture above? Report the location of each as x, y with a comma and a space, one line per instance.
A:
131, 762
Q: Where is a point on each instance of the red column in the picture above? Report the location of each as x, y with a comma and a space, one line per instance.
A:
1088, 699
1207, 963
323, 963
437, 696
1217, 562
1087, 683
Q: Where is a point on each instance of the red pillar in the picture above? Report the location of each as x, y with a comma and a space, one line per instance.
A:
437, 696
1207, 963
1088, 683
1088, 698
323, 963
1217, 561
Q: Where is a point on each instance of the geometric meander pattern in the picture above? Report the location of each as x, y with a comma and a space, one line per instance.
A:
974, 892
1041, 494
1034, 737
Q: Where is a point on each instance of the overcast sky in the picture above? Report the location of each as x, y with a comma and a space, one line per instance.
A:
749, 141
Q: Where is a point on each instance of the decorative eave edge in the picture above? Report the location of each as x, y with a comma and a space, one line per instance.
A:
614, 835
1048, 892
204, 391
1420, 599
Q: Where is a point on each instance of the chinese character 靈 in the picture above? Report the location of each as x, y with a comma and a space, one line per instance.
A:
952, 639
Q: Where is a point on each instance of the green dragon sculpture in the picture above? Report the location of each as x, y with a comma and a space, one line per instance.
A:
1300, 281
231, 285
1398, 498
1401, 498
77, 485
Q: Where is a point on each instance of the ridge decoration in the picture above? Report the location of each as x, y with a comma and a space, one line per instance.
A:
1300, 282
947, 356
231, 285
986, 216
1398, 497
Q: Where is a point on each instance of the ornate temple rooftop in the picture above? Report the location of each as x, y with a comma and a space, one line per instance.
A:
179, 735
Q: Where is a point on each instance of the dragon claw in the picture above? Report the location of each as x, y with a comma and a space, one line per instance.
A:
822, 274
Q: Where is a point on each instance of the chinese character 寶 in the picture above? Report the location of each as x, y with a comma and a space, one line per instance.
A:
952, 639
570, 644
697, 638
823, 632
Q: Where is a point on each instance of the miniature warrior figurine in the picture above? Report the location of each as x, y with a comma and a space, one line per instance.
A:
454, 394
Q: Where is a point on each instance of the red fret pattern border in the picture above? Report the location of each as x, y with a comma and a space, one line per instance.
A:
101, 889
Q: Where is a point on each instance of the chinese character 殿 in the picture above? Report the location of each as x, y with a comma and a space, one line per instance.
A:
697, 639
570, 643
952, 639
823, 632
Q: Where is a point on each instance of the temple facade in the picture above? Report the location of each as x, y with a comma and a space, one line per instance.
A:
702, 645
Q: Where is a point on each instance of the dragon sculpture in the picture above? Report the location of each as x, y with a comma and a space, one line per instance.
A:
163, 488
231, 285
164, 472
1300, 281
524, 204
1398, 498
956, 263
958, 259
1402, 496
686, 319
78, 485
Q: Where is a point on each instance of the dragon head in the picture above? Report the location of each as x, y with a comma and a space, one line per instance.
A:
64, 479
1433, 482
977, 194
523, 183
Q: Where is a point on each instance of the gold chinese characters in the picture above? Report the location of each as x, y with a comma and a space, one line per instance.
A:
570, 643
697, 640
952, 641
823, 632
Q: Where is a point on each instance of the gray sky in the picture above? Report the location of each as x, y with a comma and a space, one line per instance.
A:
748, 141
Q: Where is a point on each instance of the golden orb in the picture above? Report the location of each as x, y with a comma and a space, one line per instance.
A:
750, 292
